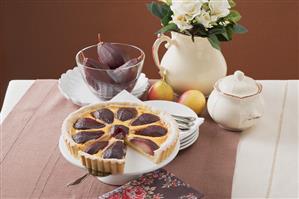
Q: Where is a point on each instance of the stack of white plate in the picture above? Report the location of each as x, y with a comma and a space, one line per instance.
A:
73, 87
187, 138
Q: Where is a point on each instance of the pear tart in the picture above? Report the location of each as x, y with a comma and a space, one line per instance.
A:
99, 135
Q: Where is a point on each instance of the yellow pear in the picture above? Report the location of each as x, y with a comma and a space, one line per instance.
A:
194, 99
160, 91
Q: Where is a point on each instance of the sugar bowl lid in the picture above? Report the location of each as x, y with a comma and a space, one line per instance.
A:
238, 85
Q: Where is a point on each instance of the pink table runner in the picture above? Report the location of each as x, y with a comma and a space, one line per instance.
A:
32, 166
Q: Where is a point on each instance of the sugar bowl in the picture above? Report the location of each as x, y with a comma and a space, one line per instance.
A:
236, 103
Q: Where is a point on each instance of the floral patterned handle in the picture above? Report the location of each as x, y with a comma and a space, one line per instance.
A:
161, 38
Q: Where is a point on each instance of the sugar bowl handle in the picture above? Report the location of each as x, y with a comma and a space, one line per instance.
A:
252, 116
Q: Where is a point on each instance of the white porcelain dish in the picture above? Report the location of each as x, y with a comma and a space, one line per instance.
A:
73, 87
136, 164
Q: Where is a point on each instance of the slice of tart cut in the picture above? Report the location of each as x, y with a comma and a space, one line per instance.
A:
99, 135
116, 150
104, 156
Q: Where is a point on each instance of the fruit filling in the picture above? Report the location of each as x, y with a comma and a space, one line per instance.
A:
119, 131
145, 118
144, 145
116, 150
87, 123
96, 147
84, 136
152, 131
125, 114
104, 114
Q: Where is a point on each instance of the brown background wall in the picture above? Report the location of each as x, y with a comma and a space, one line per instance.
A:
39, 39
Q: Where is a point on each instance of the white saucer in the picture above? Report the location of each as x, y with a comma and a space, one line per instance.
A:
178, 109
73, 87
136, 164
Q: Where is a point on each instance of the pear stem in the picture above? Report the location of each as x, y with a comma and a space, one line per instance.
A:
99, 37
163, 74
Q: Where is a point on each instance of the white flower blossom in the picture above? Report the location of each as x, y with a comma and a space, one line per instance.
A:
219, 8
188, 8
205, 12
182, 22
205, 19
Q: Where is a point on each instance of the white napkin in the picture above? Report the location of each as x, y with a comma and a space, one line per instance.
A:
125, 96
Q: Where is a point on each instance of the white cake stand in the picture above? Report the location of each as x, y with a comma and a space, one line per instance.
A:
136, 164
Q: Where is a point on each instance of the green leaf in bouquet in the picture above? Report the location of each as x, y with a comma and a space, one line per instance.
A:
231, 3
158, 9
223, 36
167, 28
229, 31
237, 28
167, 18
216, 30
214, 41
234, 16
199, 30
227, 34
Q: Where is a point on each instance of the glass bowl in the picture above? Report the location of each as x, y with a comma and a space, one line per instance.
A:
106, 83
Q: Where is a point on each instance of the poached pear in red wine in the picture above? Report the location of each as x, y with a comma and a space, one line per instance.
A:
110, 68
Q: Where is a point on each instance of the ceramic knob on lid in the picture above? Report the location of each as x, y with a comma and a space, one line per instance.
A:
238, 85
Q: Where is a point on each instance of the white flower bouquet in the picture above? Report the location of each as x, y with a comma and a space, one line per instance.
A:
213, 19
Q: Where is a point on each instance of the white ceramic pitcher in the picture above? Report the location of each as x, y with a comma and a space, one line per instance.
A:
189, 65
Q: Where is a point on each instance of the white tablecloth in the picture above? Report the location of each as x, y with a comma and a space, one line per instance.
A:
267, 156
